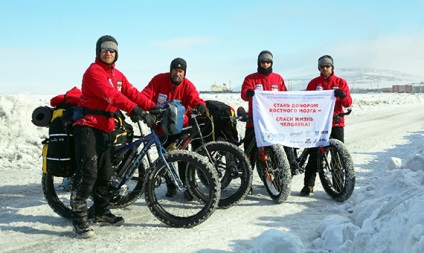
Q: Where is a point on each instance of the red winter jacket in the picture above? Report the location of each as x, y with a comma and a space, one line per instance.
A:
107, 89
272, 81
329, 84
161, 89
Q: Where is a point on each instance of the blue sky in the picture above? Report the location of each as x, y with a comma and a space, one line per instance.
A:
47, 45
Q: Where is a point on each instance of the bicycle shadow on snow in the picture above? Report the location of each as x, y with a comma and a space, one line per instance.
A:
25, 210
21, 205
319, 205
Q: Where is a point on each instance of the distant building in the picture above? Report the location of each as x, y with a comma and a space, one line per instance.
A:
220, 88
402, 88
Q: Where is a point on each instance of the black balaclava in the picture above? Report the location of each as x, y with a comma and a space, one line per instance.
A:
265, 56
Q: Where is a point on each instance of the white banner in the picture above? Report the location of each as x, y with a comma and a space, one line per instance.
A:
300, 119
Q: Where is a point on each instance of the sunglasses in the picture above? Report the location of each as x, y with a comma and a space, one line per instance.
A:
105, 50
268, 62
324, 66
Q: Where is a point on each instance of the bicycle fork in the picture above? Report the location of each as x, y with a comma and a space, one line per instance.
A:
323, 154
172, 171
263, 156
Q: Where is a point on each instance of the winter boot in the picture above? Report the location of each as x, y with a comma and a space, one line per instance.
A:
79, 218
108, 219
306, 190
172, 190
83, 229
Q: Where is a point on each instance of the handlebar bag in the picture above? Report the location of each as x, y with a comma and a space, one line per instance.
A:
173, 117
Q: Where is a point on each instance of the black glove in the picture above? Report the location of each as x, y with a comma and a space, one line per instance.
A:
201, 108
250, 93
149, 119
156, 110
137, 114
338, 93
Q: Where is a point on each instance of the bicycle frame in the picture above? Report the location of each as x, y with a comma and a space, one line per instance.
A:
299, 161
148, 141
252, 145
194, 130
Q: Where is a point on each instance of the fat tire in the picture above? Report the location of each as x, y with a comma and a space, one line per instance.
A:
330, 177
276, 173
49, 191
224, 155
156, 178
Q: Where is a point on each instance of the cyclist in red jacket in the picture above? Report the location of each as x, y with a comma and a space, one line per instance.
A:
262, 80
327, 81
104, 90
174, 85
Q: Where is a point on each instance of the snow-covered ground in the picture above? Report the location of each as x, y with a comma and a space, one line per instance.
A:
384, 133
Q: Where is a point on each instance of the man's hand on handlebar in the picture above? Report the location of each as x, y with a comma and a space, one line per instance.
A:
156, 110
138, 114
201, 108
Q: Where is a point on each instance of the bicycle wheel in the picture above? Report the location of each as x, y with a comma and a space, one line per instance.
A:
57, 192
177, 211
276, 173
233, 168
336, 170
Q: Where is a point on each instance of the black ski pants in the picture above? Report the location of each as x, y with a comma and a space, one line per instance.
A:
311, 167
93, 150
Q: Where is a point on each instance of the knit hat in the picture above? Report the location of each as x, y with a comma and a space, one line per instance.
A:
325, 60
179, 63
265, 56
106, 42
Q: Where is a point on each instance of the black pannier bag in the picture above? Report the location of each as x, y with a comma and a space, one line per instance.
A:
225, 125
58, 149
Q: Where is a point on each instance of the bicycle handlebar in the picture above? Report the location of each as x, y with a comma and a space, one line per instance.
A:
340, 115
156, 111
